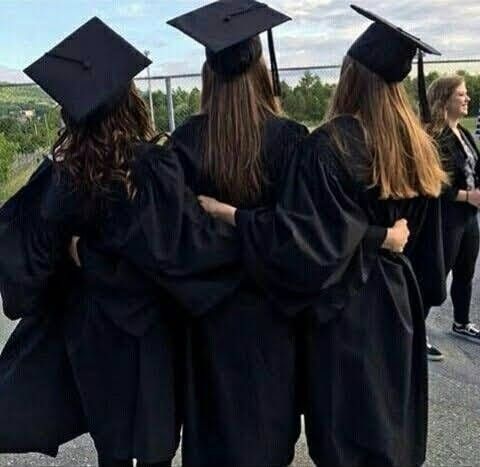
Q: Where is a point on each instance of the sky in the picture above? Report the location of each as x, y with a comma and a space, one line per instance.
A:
319, 34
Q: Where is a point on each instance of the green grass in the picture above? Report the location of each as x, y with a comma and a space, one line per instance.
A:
470, 123
31, 95
15, 182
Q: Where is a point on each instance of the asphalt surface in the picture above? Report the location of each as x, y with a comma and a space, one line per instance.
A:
454, 434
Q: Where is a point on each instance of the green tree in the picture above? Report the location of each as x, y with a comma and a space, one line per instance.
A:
308, 100
7, 151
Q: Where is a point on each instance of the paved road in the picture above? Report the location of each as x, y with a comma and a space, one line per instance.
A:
454, 404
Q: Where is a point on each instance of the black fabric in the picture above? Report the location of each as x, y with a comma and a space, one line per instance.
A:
241, 404
364, 326
168, 236
386, 49
454, 159
40, 407
425, 114
459, 222
131, 342
222, 24
120, 333
235, 60
461, 245
229, 31
88, 70
157, 464
108, 462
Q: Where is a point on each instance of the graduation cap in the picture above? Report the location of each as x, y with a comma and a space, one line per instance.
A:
388, 51
228, 29
89, 70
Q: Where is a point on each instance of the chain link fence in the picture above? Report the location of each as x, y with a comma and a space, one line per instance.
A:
306, 91
172, 99
30, 119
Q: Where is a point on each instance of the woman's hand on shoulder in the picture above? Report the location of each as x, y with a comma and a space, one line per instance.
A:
397, 236
222, 211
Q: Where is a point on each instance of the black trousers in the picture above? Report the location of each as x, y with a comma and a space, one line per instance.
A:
461, 245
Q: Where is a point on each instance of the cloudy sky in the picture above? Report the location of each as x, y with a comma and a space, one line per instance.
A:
319, 34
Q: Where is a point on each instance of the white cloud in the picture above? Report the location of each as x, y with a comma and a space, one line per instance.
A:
12, 76
322, 30
131, 10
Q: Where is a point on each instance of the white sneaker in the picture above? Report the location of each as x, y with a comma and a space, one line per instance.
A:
468, 331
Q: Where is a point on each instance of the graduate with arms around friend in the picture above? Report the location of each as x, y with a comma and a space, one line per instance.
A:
328, 249
99, 347
448, 100
241, 402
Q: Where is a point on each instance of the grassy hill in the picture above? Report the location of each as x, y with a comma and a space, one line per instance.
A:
16, 98
24, 95
16, 181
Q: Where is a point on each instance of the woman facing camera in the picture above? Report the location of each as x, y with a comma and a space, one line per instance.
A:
241, 402
106, 335
448, 100
371, 164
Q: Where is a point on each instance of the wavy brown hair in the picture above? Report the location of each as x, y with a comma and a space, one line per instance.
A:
405, 162
97, 154
236, 110
438, 94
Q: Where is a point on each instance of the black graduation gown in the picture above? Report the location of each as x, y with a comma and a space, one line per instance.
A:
366, 373
40, 407
121, 329
130, 342
240, 403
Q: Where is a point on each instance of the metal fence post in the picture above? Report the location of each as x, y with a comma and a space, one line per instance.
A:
170, 107
150, 96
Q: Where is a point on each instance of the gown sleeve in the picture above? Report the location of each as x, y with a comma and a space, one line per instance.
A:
32, 249
427, 257
166, 235
317, 240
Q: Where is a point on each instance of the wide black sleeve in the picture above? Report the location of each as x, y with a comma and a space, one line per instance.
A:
317, 242
165, 233
447, 146
31, 249
427, 257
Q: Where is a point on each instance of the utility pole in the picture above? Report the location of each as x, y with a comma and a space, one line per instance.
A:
150, 97
170, 106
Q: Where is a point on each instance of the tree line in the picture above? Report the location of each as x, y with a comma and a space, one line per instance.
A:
306, 101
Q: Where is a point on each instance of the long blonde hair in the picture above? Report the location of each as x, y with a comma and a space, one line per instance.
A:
405, 162
438, 94
236, 110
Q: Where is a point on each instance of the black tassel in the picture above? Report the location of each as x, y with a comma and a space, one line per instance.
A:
425, 114
277, 90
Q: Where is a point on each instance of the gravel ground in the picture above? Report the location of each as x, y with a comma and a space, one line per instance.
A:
454, 404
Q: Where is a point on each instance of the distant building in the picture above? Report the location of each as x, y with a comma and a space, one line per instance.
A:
28, 114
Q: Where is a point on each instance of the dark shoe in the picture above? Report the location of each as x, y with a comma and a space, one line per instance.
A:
433, 354
468, 331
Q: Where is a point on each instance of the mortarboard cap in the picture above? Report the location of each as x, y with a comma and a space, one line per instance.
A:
228, 30
388, 51
89, 70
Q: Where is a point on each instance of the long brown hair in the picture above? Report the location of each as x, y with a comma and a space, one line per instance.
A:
438, 94
236, 110
97, 153
405, 161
